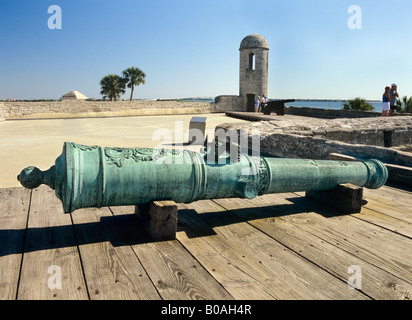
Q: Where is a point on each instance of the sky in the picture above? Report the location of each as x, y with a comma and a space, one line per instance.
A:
319, 49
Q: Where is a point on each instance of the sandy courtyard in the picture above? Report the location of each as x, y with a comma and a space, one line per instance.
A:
39, 142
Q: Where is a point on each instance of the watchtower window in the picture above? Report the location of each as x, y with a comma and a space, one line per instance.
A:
252, 64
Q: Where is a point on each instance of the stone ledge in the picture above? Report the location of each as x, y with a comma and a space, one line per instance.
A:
82, 109
2, 115
333, 113
380, 132
283, 139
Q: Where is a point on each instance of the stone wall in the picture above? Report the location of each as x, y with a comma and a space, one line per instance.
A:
69, 109
333, 113
381, 132
294, 146
381, 137
2, 115
317, 138
230, 103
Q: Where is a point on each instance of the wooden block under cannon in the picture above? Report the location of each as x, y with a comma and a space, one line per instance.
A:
346, 198
159, 219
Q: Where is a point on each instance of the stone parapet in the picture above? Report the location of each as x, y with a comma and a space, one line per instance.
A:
317, 138
74, 109
2, 115
230, 103
333, 113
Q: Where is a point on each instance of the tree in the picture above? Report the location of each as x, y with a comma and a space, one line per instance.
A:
134, 77
113, 86
404, 105
358, 104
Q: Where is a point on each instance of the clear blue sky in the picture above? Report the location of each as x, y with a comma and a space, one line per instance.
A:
190, 48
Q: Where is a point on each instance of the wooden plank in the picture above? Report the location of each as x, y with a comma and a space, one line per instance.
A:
385, 202
211, 251
376, 283
393, 191
385, 221
395, 209
277, 270
14, 208
385, 249
172, 269
50, 252
399, 189
111, 268
391, 202
384, 213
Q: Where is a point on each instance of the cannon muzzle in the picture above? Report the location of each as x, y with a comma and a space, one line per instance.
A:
93, 176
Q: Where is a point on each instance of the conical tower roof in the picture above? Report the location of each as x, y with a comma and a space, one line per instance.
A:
74, 95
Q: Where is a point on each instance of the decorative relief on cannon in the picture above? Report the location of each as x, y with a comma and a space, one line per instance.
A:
118, 156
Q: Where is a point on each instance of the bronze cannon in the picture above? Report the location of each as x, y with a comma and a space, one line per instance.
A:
93, 176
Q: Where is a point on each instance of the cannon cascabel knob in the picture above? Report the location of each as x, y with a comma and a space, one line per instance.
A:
33, 177
30, 177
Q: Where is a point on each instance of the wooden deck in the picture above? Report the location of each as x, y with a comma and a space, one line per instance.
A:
280, 246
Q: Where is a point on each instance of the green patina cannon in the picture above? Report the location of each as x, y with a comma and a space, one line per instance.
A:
93, 176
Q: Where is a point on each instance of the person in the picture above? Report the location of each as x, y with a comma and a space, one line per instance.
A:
386, 101
257, 104
394, 94
263, 103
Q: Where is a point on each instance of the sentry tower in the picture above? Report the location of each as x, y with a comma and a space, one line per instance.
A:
253, 74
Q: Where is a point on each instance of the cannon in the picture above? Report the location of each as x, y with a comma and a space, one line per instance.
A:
94, 176
277, 106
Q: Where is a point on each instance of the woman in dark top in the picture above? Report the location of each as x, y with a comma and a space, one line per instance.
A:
385, 102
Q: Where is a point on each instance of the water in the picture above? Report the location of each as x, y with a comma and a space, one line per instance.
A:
324, 104
320, 104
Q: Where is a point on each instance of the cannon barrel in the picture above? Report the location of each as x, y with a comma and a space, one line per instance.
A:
93, 176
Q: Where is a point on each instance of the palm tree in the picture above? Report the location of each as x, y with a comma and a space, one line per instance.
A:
113, 86
358, 104
134, 77
404, 105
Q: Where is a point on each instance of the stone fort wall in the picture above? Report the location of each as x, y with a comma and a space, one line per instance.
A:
311, 138
67, 109
334, 113
70, 109
2, 115
231, 103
